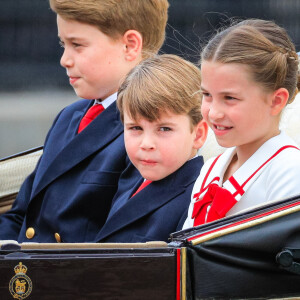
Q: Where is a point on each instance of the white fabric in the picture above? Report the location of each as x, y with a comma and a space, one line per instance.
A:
108, 101
278, 179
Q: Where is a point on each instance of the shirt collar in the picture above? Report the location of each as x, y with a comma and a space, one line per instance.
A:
108, 101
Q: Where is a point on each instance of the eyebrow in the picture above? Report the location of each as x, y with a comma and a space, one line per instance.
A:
130, 123
71, 38
223, 92
166, 123
163, 123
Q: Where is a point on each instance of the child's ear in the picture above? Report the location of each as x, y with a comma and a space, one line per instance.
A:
133, 43
201, 131
279, 100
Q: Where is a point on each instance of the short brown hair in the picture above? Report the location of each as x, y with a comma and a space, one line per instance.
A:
163, 83
264, 47
115, 17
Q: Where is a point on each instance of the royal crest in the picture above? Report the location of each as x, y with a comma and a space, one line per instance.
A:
20, 286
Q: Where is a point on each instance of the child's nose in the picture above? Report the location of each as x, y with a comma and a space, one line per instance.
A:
66, 60
147, 142
215, 112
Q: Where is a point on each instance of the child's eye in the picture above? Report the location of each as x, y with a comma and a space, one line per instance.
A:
230, 98
134, 128
205, 94
165, 129
76, 45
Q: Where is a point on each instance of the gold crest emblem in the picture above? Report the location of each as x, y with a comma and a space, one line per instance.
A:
20, 286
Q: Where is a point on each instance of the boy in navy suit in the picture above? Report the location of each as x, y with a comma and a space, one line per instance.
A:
68, 196
159, 104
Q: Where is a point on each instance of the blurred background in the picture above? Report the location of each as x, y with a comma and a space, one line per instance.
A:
34, 87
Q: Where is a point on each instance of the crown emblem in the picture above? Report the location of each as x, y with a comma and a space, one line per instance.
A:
20, 286
20, 269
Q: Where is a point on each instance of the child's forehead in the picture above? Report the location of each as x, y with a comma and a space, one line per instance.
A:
161, 116
79, 29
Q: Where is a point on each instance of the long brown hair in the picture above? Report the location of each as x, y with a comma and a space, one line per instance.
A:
264, 47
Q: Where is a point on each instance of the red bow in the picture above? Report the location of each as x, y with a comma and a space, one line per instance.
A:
220, 201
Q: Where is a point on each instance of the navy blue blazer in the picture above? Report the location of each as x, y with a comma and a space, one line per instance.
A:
154, 212
71, 189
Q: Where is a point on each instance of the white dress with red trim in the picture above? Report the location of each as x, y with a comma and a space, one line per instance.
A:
270, 174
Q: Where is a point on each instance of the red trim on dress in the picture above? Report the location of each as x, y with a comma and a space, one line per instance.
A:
213, 198
239, 189
275, 154
208, 172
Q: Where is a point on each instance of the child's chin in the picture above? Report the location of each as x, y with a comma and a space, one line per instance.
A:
154, 177
149, 177
81, 94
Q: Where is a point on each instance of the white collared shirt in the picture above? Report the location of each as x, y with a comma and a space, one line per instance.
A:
108, 101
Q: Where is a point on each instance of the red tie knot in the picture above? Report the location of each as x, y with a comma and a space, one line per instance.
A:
143, 185
90, 115
94, 111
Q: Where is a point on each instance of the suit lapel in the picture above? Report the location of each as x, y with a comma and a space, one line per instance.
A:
93, 138
151, 197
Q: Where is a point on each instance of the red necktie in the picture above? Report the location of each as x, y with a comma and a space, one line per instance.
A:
90, 115
143, 185
220, 201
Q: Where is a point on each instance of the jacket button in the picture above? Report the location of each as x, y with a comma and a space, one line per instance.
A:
57, 237
30, 232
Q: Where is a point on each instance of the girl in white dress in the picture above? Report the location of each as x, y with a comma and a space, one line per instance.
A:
249, 74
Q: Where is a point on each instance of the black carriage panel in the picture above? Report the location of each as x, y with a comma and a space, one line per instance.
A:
253, 255
118, 273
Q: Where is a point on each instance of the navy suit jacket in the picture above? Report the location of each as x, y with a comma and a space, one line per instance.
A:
154, 212
71, 189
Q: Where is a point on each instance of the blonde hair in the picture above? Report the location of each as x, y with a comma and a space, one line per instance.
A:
115, 17
163, 83
264, 47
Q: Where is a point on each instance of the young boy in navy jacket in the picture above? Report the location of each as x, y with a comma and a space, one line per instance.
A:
159, 104
68, 196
